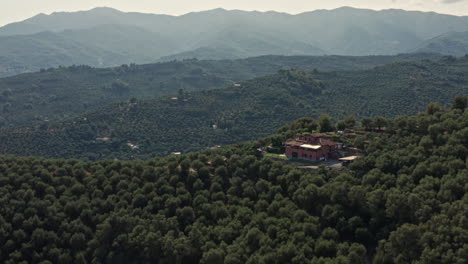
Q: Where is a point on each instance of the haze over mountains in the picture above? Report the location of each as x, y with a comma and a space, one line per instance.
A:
454, 43
107, 37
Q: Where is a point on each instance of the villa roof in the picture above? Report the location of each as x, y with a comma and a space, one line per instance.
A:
294, 143
350, 158
308, 146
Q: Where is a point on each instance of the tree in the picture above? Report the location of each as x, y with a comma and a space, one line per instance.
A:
78, 241
405, 244
367, 123
213, 256
350, 121
253, 238
357, 253
325, 248
433, 108
460, 102
341, 125
380, 122
186, 215
325, 123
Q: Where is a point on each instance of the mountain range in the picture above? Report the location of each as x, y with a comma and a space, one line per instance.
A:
107, 37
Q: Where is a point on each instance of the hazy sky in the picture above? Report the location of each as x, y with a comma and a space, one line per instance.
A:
16, 10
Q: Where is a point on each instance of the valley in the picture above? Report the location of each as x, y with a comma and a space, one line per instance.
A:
252, 109
58, 93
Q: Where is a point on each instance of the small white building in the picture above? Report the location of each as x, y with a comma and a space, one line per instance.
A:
132, 146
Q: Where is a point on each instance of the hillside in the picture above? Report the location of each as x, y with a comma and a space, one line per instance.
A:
255, 109
100, 46
223, 34
404, 202
204, 53
65, 92
26, 53
454, 43
135, 44
243, 42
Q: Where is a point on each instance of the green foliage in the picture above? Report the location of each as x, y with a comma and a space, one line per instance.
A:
460, 102
379, 122
404, 202
252, 110
433, 108
325, 123
349, 122
67, 92
367, 123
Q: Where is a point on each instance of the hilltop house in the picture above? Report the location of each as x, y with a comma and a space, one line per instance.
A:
312, 147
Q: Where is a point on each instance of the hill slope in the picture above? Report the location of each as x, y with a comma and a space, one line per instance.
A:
454, 43
57, 93
223, 116
234, 34
100, 46
25, 53
405, 202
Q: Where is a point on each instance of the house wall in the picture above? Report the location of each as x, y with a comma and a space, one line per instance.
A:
307, 154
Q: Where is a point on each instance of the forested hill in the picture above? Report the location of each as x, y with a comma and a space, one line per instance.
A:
453, 43
404, 202
64, 92
102, 46
194, 121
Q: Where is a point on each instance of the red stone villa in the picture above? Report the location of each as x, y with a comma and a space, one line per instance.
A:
312, 147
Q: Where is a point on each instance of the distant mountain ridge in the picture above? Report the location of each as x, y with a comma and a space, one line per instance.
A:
220, 34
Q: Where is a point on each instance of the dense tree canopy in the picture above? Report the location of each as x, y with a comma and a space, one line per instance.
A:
404, 202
